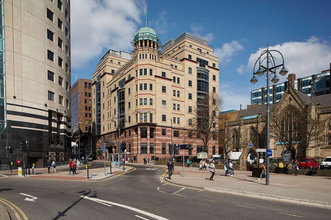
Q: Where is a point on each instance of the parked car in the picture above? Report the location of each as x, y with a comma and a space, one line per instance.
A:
308, 163
326, 163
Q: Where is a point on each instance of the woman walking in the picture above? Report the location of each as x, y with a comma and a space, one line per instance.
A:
212, 170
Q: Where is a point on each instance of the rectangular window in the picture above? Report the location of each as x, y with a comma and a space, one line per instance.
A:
59, 4
60, 100
66, 32
59, 42
176, 133
164, 149
151, 148
178, 93
190, 96
50, 14
145, 72
178, 107
140, 86
60, 62
143, 132
60, 81
129, 105
50, 75
178, 120
214, 77
214, 89
50, 55
50, 35
65, 13
145, 86
190, 56
173, 92
151, 72
164, 74
145, 101
164, 118
178, 80
140, 101
151, 87
67, 50
151, 101
59, 23
174, 106
190, 109
189, 83
174, 120
51, 96
145, 117
164, 131
129, 91
143, 148
150, 117
141, 117
164, 89
140, 72
164, 103
174, 79
189, 70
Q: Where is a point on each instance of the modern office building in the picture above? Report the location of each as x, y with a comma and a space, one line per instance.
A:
314, 85
35, 79
81, 112
147, 99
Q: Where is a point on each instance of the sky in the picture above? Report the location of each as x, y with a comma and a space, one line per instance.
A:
238, 31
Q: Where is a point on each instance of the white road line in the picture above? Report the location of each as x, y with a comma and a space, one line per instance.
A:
30, 199
141, 217
158, 189
3, 175
178, 191
125, 207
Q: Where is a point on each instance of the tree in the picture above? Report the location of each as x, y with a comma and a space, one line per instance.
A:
296, 130
204, 123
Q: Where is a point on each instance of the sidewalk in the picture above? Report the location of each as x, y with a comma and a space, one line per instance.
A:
301, 189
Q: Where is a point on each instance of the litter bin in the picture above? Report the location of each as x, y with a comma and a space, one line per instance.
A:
19, 171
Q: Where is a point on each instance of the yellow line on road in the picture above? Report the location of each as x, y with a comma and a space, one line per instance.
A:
13, 207
293, 215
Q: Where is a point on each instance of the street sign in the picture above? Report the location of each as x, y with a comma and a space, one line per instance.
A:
269, 153
18, 161
260, 150
250, 144
104, 148
185, 146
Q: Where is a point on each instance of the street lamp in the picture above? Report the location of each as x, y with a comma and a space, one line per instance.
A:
79, 139
268, 57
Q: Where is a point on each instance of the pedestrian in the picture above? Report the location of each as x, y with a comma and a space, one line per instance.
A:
296, 167
170, 166
263, 171
231, 168
149, 161
188, 162
53, 165
286, 167
70, 166
226, 168
212, 170
77, 165
74, 165
48, 165
204, 165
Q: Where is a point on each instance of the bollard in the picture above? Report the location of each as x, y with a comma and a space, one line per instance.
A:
32, 170
19, 171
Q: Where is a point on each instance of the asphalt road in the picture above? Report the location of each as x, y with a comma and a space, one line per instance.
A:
139, 195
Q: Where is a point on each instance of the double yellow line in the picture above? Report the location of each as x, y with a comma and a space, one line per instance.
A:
14, 208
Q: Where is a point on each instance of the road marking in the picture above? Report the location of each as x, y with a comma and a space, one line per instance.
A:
178, 191
126, 207
158, 189
293, 215
249, 207
151, 168
141, 217
11, 205
2, 175
31, 199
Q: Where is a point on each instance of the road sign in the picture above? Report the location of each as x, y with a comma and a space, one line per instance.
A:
250, 144
104, 148
18, 161
185, 146
269, 153
260, 150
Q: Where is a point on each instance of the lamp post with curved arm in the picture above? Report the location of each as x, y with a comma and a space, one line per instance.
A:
267, 65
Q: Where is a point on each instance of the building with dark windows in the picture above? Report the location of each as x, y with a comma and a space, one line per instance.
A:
35, 80
314, 85
81, 114
148, 98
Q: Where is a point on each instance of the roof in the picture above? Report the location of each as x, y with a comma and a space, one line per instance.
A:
323, 100
307, 99
145, 33
255, 111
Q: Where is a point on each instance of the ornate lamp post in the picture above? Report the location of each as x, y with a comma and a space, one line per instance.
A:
267, 66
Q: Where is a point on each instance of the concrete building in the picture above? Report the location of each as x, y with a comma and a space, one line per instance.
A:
35, 79
81, 112
149, 97
314, 85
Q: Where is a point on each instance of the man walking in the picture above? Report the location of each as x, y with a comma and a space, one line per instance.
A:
263, 171
212, 170
296, 167
170, 166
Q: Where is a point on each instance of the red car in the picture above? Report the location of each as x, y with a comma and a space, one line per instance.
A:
308, 163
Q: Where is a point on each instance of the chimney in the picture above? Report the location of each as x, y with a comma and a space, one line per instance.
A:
291, 80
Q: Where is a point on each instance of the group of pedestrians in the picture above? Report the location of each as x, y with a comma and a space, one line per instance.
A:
51, 167
74, 166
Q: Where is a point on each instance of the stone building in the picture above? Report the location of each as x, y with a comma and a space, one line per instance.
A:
298, 123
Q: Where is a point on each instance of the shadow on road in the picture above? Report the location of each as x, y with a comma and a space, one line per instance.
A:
85, 192
2, 190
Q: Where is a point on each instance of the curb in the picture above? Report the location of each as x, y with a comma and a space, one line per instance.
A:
4, 215
276, 198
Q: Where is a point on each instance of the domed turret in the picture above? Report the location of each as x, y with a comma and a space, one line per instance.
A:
146, 37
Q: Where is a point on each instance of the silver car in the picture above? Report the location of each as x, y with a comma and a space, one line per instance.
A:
326, 163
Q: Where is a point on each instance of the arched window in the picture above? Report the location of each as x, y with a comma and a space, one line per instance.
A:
235, 139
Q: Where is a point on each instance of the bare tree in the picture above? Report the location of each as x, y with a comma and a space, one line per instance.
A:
204, 123
296, 130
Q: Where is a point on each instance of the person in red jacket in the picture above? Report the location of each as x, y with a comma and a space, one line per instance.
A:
71, 166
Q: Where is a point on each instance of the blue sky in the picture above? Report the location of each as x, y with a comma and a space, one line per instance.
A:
237, 30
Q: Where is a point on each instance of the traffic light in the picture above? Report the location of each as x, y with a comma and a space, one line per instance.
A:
6, 154
10, 150
176, 149
170, 149
23, 146
123, 146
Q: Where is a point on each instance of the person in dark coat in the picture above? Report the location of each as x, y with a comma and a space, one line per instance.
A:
48, 165
170, 166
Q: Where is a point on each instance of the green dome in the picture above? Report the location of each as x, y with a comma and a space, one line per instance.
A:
145, 33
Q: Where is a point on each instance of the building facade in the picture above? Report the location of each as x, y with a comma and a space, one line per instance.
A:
81, 114
147, 99
298, 122
314, 85
35, 79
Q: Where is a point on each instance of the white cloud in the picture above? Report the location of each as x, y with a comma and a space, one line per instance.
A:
197, 31
302, 58
102, 24
233, 97
226, 52
241, 69
161, 24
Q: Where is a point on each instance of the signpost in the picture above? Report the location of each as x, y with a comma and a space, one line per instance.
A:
250, 144
269, 153
104, 158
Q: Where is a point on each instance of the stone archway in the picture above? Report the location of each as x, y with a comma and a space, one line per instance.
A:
244, 155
